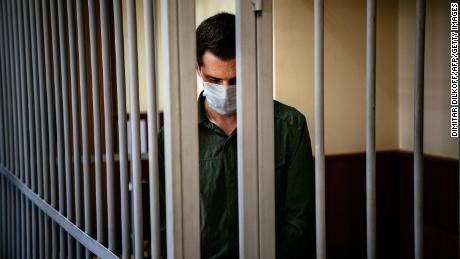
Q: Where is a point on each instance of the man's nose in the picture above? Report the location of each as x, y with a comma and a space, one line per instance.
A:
226, 82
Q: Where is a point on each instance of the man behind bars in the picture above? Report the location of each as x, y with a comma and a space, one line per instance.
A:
294, 169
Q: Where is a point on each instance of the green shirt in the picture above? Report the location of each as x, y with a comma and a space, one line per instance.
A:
294, 187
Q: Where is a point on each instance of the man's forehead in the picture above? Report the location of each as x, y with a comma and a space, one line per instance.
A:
218, 68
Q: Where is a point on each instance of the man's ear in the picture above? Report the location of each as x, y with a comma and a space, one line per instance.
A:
198, 70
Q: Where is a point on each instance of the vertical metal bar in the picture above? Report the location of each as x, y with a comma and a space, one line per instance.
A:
25, 175
43, 190
66, 126
18, 108
123, 146
23, 227
370, 131
96, 119
2, 88
16, 112
65, 121
21, 94
31, 131
418, 126
181, 129
150, 56
36, 179
134, 121
13, 40
75, 119
3, 202
51, 125
246, 70
84, 118
2, 72
29, 230
4, 218
17, 222
58, 110
8, 84
319, 129
9, 220
107, 82
265, 128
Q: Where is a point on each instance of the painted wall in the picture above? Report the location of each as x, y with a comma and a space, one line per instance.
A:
437, 78
345, 28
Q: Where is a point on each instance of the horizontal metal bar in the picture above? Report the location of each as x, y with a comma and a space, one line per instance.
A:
97, 248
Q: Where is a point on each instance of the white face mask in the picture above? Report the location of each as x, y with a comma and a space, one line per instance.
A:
220, 98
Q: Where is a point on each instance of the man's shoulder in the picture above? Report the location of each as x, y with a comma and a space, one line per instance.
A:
286, 114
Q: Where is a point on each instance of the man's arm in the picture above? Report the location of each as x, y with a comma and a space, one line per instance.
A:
297, 229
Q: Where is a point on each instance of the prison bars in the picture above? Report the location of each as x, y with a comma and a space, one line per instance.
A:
181, 200
181, 129
256, 183
370, 132
418, 126
320, 192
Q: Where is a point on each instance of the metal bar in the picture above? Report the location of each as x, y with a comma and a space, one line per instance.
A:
3, 75
75, 119
19, 126
14, 77
136, 174
43, 188
2, 206
9, 220
61, 127
150, 57
58, 110
123, 146
10, 88
319, 129
24, 115
29, 100
246, 70
30, 177
97, 248
418, 126
370, 131
36, 179
29, 229
8, 85
23, 227
16, 141
2, 88
17, 217
84, 118
66, 125
181, 129
51, 125
107, 82
96, 120
265, 129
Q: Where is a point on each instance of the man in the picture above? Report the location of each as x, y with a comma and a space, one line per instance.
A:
294, 176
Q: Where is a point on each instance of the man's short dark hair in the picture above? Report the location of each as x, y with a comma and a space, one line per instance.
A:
216, 34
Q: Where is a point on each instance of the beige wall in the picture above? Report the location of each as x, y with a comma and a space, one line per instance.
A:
345, 70
437, 85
